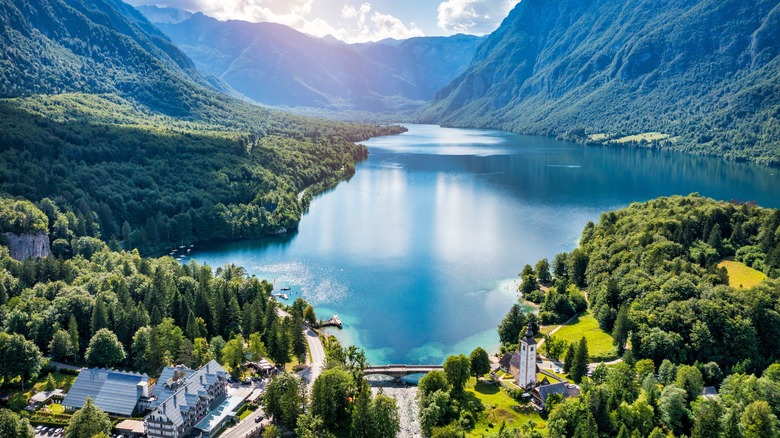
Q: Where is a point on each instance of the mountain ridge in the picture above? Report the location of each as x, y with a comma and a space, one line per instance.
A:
704, 75
276, 65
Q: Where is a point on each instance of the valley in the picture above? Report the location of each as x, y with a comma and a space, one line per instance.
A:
566, 213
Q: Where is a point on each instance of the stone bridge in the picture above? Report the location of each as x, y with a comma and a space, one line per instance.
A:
399, 371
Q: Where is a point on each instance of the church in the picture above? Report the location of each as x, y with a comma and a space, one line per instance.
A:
523, 362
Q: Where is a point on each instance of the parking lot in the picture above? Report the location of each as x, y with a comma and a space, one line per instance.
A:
48, 432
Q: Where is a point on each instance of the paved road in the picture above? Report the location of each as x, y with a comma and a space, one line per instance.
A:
317, 362
247, 427
317, 350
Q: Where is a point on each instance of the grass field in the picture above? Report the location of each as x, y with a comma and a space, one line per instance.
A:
599, 342
741, 275
598, 137
498, 408
647, 136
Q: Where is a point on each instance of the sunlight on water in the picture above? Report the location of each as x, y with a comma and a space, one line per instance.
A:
419, 252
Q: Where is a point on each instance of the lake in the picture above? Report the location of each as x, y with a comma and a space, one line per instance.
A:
419, 252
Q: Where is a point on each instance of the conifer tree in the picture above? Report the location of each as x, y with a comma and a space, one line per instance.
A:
579, 366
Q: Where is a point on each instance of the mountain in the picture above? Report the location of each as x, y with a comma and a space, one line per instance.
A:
694, 75
95, 46
102, 116
276, 65
157, 14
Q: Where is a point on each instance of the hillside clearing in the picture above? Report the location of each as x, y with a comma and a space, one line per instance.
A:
599, 342
741, 275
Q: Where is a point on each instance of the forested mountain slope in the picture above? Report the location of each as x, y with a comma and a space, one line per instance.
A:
704, 74
104, 116
276, 65
94, 46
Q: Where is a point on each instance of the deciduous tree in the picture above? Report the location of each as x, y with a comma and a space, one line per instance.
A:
88, 421
457, 369
480, 362
104, 349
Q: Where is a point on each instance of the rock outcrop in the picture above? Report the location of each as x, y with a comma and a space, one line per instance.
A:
30, 245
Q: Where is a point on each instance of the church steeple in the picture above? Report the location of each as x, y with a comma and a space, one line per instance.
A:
526, 376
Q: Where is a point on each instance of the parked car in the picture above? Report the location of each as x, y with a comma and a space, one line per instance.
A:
58, 432
38, 428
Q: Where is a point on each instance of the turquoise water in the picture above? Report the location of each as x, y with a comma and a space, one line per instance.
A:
418, 252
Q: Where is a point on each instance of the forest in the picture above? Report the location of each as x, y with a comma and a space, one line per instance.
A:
154, 181
103, 308
595, 71
652, 279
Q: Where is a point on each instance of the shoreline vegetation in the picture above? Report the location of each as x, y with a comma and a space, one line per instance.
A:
148, 335
159, 182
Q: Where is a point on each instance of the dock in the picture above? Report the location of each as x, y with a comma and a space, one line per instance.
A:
335, 321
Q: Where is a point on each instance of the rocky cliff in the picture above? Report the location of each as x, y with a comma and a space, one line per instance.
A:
30, 245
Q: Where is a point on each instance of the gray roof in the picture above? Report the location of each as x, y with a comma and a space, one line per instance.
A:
116, 392
162, 391
709, 391
504, 361
46, 395
187, 391
556, 388
515, 360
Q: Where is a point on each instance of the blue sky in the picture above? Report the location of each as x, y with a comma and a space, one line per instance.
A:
357, 21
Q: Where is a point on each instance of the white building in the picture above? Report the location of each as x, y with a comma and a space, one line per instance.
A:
525, 376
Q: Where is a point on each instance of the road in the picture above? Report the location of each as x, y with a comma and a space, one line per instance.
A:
317, 350
317, 362
247, 427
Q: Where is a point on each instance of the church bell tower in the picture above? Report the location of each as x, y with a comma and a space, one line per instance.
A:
526, 377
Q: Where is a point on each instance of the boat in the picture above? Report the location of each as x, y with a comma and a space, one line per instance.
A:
285, 288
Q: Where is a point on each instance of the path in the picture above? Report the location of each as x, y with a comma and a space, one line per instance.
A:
64, 366
552, 332
551, 364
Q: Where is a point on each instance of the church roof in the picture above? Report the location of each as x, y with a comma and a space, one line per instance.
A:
504, 361
529, 337
514, 362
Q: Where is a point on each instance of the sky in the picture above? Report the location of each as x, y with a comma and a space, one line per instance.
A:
358, 21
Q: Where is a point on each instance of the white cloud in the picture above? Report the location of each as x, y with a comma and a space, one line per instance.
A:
358, 25
473, 16
368, 26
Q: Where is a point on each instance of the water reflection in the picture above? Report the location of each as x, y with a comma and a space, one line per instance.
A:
417, 251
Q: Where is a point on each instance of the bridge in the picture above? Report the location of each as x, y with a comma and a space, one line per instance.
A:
399, 371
